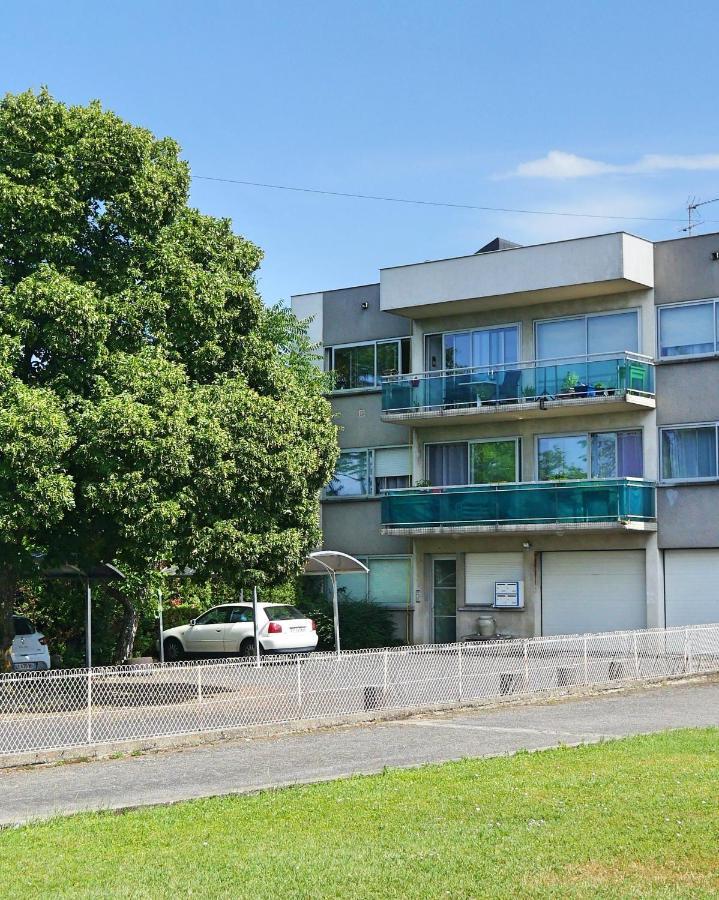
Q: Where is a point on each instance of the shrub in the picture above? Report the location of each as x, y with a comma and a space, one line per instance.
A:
363, 624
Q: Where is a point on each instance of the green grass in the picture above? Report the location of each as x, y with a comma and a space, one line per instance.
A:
632, 818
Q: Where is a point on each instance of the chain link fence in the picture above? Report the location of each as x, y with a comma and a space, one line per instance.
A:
80, 707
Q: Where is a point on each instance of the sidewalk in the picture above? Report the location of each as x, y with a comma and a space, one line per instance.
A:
251, 764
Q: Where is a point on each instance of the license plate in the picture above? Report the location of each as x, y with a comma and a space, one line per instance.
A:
25, 666
298, 627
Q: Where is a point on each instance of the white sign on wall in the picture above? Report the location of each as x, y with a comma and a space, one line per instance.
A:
509, 594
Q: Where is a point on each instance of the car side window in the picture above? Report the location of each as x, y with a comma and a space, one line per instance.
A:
241, 614
218, 616
22, 626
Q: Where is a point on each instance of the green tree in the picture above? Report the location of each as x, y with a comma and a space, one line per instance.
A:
151, 408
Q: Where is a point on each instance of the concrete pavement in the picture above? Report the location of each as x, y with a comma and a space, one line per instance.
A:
251, 764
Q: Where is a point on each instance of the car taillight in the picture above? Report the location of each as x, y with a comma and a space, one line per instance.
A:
43, 641
274, 628
313, 624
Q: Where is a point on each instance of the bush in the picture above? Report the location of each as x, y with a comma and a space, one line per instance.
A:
363, 624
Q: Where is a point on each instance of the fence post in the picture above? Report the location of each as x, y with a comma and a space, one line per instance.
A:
199, 695
636, 656
526, 665
586, 667
688, 651
384, 672
459, 668
89, 706
299, 684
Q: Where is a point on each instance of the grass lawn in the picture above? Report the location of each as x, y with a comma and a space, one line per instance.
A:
632, 818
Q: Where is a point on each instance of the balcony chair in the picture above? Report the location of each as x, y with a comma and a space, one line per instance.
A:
509, 388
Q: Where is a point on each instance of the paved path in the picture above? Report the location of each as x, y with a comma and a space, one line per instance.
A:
250, 764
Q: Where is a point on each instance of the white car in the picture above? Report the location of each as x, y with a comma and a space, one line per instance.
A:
229, 629
29, 651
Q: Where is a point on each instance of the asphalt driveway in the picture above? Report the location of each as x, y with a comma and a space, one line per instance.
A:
251, 764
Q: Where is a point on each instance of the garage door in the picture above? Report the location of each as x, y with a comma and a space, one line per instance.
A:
691, 586
600, 590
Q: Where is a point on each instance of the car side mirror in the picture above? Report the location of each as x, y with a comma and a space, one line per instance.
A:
193, 621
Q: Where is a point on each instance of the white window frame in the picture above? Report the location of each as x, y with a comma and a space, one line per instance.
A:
370, 451
330, 359
687, 356
693, 479
586, 316
588, 436
470, 331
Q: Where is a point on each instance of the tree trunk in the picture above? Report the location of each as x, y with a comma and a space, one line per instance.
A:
8, 591
128, 626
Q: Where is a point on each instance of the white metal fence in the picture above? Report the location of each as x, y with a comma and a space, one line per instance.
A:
81, 707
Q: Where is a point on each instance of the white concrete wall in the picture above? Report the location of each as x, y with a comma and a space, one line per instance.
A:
610, 262
306, 306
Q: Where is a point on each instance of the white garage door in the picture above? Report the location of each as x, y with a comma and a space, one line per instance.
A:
598, 590
691, 586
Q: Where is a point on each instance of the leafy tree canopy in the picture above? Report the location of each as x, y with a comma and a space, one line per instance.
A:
150, 407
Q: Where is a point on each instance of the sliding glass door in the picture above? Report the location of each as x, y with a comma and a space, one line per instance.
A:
444, 599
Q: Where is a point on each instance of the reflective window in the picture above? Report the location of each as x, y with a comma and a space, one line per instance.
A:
352, 476
218, 616
388, 583
689, 453
241, 614
477, 348
563, 457
364, 365
688, 330
492, 462
580, 336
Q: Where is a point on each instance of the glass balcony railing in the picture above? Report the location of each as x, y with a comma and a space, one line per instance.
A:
527, 503
527, 382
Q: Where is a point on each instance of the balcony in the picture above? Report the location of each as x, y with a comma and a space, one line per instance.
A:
620, 504
601, 383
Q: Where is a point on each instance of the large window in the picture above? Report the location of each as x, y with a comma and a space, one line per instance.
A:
606, 454
581, 336
363, 365
689, 329
476, 348
494, 461
689, 453
388, 583
368, 472
472, 462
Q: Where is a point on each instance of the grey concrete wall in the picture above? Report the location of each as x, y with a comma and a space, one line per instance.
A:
353, 526
345, 322
684, 269
688, 516
358, 417
687, 392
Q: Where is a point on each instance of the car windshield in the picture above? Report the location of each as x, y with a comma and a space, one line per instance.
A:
278, 613
23, 625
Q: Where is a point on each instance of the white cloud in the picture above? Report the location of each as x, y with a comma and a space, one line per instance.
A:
560, 165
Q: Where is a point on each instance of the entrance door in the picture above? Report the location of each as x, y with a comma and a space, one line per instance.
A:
444, 599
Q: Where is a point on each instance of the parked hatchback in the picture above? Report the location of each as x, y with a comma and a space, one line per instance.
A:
29, 650
229, 629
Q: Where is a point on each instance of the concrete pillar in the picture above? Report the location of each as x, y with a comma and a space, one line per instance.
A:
532, 591
655, 583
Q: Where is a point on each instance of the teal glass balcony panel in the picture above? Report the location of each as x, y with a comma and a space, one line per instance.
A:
527, 503
592, 376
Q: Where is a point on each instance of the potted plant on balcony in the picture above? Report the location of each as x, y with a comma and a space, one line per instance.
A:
601, 388
570, 383
530, 392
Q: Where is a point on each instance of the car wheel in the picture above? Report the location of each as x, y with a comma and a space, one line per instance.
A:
173, 650
247, 647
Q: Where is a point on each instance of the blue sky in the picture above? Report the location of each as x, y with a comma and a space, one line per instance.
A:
595, 107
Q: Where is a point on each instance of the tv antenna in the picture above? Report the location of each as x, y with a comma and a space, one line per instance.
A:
692, 206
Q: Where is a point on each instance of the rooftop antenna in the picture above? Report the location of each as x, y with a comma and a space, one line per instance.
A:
692, 205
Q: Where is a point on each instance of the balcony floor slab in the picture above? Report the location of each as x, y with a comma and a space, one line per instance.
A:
518, 528
502, 412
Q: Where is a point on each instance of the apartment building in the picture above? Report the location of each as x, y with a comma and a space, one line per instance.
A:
530, 433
